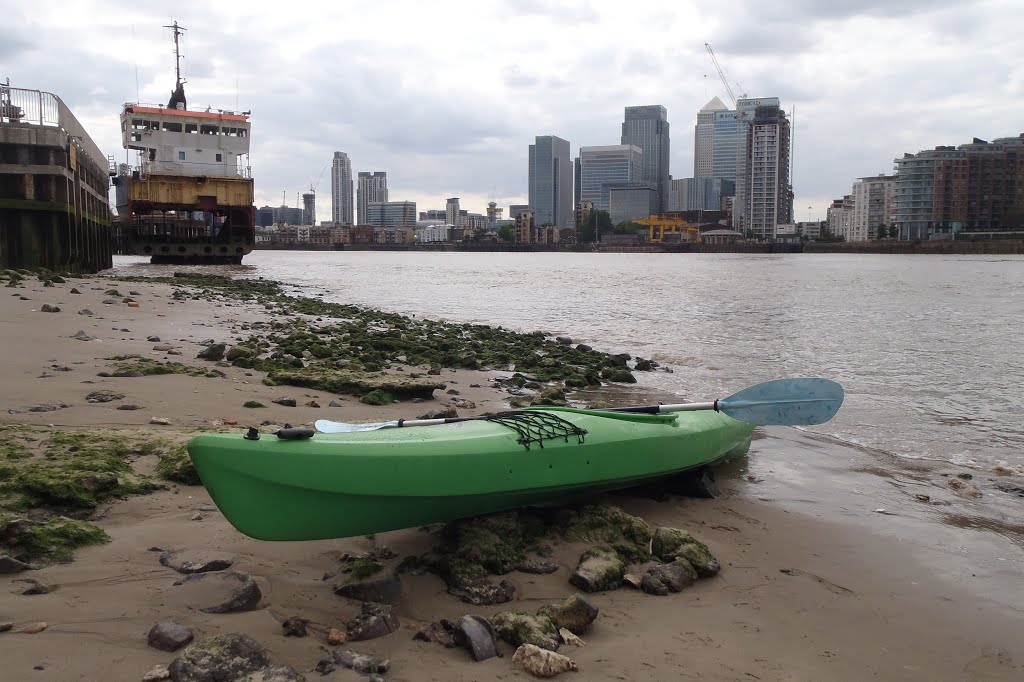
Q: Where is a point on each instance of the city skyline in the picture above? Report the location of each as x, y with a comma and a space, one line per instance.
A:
456, 121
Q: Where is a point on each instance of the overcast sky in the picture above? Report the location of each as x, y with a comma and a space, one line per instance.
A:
446, 96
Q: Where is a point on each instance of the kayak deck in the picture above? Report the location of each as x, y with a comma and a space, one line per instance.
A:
341, 485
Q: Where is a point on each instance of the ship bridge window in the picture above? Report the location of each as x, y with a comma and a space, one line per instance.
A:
172, 127
242, 132
208, 130
192, 128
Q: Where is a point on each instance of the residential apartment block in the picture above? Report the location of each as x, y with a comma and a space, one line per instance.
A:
342, 208
371, 188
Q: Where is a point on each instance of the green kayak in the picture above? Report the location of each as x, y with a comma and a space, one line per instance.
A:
346, 484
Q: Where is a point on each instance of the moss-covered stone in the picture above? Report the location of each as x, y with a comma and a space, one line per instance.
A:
574, 613
350, 383
599, 569
134, 366
52, 540
518, 628
177, 466
240, 352
552, 395
253, 404
628, 535
670, 544
619, 375
377, 397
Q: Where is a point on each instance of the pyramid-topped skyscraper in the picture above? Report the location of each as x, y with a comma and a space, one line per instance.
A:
704, 137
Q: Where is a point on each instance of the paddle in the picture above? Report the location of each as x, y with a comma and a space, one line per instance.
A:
788, 402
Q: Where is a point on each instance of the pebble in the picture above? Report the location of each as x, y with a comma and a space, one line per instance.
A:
197, 517
162, 421
157, 674
337, 637
33, 628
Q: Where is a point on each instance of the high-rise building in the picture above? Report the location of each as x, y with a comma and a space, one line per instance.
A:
551, 188
391, 214
647, 127
452, 211
493, 213
704, 139
764, 197
372, 188
341, 189
699, 194
632, 201
602, 168
288, 215
265, 216
309, 208
872, 206
577, 180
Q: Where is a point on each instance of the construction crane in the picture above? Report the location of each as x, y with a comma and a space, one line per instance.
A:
312, 187
721, 74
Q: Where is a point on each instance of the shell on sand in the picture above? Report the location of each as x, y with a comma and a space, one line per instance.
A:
541, 662
570, 638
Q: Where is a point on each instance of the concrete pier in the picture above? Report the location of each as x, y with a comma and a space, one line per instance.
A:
54, 210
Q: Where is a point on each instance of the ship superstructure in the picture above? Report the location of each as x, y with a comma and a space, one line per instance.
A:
189, 199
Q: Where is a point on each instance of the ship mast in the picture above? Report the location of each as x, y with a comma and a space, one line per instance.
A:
177, 100
177, 52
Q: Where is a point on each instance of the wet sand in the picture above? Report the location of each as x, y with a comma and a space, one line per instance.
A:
816, 583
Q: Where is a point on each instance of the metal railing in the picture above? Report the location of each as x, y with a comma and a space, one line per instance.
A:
37, 108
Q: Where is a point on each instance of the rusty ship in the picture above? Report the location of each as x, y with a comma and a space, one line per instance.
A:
189, 196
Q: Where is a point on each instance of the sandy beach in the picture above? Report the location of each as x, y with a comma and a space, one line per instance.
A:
804, 593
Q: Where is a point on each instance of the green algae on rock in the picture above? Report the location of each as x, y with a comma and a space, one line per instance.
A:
350, 383
54, 539
518, 628
629, 536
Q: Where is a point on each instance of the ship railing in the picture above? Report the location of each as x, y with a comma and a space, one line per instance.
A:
193, 168
38, 108
191, 107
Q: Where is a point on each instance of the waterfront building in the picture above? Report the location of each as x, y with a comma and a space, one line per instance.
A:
976, 187
764, 197
839, 216
606, 166
647, 128
452, 211
704, 139
872, 206
371, 188
629, 201
288, 215
391, 214
550, 181
525, 230
577, 178
309, 208
515, 210
54, 182
584, 209
265, 216
699, 194
434, 214
810, 229
432, 234
341, 189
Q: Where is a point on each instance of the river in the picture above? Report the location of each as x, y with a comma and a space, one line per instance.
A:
927, 347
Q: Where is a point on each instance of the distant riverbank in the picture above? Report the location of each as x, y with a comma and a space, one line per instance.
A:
944, 247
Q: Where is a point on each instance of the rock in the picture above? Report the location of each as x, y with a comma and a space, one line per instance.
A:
221, 592
294, 626
157, 674
448, 413
569, 638
963, 489
196, 517
442, 632
382, 591
552, 395
47, 308
103, 396
665, 578
32, 628
129, 407
337, 637
563, 340
335, 403
134, 293
74, 290
631, 580
153, 339
599, 569
521, 628
477, 635
9, 564
312, 403
483, 592
162, 421
163, 347
195, 561
236, 352
219, 658
541, 662
287, 402
213, 352
574, 613
367, 665
168, 636
373, 621
87, 312
112, 292
111, 301
82, 336
6, 626
671, 543
31, 586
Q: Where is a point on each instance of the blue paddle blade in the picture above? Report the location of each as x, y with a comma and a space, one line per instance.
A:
793, 402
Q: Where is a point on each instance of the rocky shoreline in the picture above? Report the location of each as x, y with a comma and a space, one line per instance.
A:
108, 379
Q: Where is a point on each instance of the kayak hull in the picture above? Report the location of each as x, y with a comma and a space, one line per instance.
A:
344, 485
